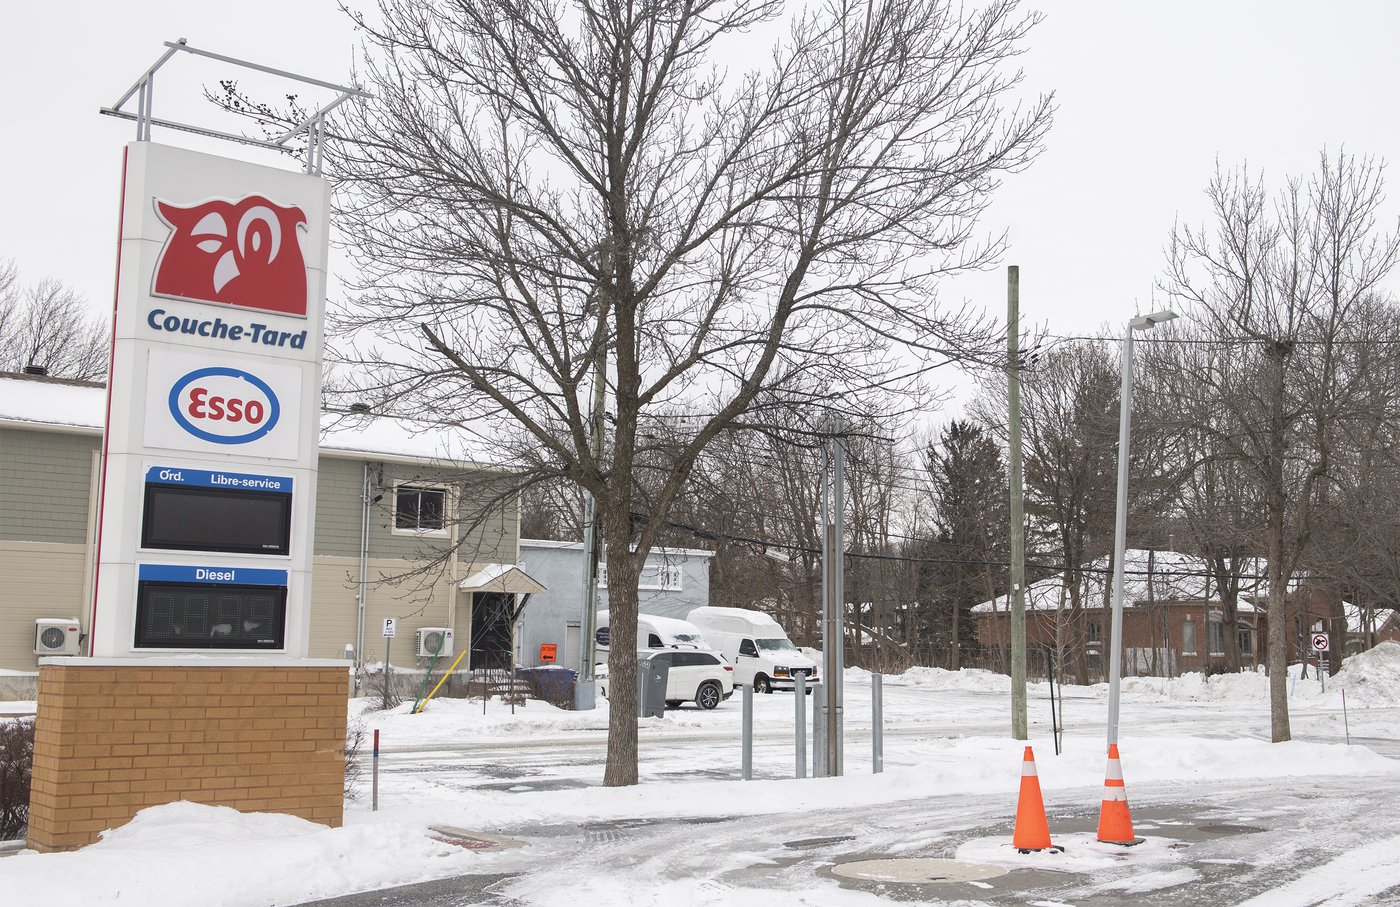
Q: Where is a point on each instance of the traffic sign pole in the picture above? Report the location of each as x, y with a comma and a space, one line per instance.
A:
1321, 644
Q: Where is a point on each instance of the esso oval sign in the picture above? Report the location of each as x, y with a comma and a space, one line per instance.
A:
224, 405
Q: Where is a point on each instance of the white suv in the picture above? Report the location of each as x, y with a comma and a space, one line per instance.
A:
696, 675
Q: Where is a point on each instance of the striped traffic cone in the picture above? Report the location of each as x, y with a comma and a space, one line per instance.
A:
1115, 822
1032, 831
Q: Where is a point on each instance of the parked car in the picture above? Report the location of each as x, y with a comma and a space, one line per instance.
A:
760, 650
696, 675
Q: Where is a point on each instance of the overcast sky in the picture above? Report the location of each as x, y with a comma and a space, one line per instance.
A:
1149, 95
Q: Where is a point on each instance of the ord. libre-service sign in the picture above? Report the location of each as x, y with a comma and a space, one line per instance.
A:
209, 460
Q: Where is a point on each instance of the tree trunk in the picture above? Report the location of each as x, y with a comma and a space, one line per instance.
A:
1278, 591
624, 569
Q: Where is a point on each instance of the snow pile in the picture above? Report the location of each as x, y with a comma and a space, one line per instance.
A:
184, 853
1193, 687
970, 680
462, 721
1371, 678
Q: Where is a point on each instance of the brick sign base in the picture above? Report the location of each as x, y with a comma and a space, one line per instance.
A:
114, 736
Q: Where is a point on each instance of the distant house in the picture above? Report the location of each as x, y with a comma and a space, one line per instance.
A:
1173, 617
674, 581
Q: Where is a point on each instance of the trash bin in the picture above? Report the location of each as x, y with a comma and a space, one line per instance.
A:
653, 672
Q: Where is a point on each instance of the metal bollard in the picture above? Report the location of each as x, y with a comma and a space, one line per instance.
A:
799, 722
374, 776
818, 732
746, 772
877, 734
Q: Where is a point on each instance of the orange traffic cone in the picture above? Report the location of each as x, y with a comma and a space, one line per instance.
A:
1032, 831
1115, 822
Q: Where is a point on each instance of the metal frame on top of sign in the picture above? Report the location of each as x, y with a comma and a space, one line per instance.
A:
215, 388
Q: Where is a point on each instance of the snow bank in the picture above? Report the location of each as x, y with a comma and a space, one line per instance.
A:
971, 680
185, 853
1371, 679
462, 721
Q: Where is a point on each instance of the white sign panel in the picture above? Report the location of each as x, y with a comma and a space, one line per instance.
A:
216, 373
1320, 642
391, 627
223, 404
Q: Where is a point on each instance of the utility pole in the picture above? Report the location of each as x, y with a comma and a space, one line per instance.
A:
584, 699
833, 598
1018, 520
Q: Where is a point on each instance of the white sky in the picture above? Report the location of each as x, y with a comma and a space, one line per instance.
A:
1149, 94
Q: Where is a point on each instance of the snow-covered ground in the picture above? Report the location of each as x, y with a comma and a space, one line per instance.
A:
1227, 816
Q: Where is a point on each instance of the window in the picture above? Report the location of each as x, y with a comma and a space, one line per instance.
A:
1095, 631
1245, 634
1215, 630
748, 648
654, 641
419, 509
669, 577
1188, 637
654, 577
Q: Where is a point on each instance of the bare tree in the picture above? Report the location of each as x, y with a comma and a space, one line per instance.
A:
1278, 286
538, 186
48, 324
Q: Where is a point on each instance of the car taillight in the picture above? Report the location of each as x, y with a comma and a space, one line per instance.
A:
729, 667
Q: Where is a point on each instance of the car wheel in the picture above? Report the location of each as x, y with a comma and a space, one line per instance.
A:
761, 684
708, 696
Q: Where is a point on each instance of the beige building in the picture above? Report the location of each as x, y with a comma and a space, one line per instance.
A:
405, 517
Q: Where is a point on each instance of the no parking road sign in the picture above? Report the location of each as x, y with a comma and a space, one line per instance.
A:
1320, 642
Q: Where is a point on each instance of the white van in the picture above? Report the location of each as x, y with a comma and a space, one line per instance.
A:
653, 632
755, 643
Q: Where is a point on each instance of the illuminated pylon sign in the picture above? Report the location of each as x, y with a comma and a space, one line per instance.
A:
211, 444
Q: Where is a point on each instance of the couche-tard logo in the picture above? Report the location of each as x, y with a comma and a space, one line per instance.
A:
224, 405
243, 253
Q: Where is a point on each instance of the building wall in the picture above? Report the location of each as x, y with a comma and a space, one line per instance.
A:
111, 740
547, 615
415, 601
37, 579
45, 485
1142, 632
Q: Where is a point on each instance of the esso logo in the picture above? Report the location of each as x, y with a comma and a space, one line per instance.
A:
224, 405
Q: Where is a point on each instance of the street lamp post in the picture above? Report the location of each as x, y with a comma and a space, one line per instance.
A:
1120, 529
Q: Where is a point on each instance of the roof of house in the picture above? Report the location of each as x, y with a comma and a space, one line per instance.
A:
57, 404
655, 552
502, 578
1173, 577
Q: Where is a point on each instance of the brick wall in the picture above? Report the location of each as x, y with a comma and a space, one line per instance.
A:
113, 739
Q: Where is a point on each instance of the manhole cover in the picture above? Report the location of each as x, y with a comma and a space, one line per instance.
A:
917, 871
810, 843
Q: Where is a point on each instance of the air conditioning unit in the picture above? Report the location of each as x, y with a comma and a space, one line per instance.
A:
56, 636
430, 641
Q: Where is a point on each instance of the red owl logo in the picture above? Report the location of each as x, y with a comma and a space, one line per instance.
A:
244, 253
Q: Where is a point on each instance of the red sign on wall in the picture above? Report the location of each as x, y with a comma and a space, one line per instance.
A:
548, 652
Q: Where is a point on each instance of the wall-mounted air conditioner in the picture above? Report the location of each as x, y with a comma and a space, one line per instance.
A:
430, 641
56, 636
